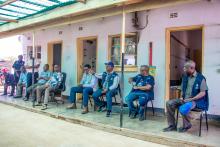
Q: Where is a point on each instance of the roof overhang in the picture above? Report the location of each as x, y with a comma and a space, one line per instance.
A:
79, 12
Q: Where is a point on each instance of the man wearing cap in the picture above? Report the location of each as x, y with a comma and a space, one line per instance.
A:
143, 90
9, 81
110, 81
17, 66
87, 85
194, 95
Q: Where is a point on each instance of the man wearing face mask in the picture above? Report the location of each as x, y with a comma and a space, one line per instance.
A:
194, 95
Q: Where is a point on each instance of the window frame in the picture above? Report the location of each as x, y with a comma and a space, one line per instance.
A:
127, 68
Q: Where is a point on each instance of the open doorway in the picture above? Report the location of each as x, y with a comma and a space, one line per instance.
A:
86, 54
54, 54
183, 44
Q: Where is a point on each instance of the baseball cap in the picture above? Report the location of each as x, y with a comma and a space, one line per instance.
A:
110, 64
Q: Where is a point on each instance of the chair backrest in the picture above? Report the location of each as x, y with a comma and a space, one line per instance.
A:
62, 86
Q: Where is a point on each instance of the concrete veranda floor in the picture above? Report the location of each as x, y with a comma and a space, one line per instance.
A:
149, 130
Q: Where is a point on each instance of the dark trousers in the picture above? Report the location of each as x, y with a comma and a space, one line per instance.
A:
86, 91
142, 97
109, 95
172, 106
17, 76
29, 80
6, 88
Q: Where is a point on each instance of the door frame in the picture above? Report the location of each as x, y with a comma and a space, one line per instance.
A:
167, 71
80, 53
50, 52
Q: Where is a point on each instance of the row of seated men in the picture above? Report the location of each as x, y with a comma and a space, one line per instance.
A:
194, 93
46, 82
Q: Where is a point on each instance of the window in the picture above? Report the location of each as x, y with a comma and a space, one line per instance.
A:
130, 59
37, 51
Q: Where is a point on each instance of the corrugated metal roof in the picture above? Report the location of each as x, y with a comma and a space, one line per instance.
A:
21, 9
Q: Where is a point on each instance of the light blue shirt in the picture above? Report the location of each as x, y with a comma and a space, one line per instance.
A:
44, 74
89, 80
23, 78
55, 80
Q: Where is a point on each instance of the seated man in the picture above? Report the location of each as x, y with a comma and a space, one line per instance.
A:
9, 81
21, 83
143, 90
194, 95
50, 85
87, 85
110, 81
43, 78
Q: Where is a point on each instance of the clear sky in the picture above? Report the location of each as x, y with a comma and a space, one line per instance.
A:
10, 47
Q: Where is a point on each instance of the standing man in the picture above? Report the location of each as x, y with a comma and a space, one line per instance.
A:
52, 84
143, 90
21, 83
43, 78
110, 81
17, 66
87, 85
29, 67
9, 81
194, 95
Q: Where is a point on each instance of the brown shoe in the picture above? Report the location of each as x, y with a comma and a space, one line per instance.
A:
85, 110
72, 106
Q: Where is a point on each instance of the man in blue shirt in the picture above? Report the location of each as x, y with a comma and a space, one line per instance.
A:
110, 81
9, 81
143, 90
21, 83
87, 85
17, 68
52, 84
43, 78
194, 95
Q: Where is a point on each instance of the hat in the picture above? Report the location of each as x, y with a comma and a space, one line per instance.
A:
4, 70
110, 64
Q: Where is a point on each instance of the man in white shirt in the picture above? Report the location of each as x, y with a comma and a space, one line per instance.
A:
87, 85
29, 67
110, 81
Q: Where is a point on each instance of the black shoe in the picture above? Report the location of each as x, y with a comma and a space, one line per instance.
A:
25, 99
141, 117
133, 115
108, 114
102, 108
38, 104
184, 129
170, 128
17, 96
4, 94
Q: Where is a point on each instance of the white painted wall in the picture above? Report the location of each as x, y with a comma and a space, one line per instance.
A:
203, 12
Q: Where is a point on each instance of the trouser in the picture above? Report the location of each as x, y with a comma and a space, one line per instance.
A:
30, 88
174, 104
19, 89
86, 91
29, 78
47, 90
109, 95
17, 76
6, 88
142, 97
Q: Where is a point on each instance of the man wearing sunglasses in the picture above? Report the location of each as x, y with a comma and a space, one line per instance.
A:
143, 90
87, 85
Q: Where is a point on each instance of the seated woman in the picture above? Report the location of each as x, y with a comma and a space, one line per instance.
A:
50, 85
143, 90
